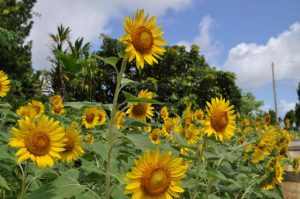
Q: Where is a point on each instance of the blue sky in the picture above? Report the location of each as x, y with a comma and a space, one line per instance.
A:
234, 35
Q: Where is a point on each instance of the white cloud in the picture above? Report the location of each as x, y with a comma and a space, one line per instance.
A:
252, 62
208, 46
87, 19
285, 106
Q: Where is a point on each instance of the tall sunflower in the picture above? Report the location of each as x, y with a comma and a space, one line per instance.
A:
142, 39
38, 107
73, 149
4, 84
220, 119
156, 176
90, 117
40, 139
139, 110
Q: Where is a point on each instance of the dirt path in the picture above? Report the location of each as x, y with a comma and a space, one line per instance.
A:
291, 190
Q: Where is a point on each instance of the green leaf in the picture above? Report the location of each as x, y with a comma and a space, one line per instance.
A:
80, 105
3, 183
126, 81
64, 186
5, 105
109, 60
87, 195
131, 98
141, 141
100, 149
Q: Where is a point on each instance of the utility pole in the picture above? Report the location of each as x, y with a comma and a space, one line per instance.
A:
274, 92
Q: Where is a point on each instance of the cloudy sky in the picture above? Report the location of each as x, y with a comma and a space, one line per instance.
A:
244, 37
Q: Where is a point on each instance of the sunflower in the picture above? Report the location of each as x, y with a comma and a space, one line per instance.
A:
287, 123
27, 110
265, 146
154, 136
90, 117
120, 118
89, 138
73, 149
191, 133
139, 110
188, 115
38, 106
171, 125
56, 100
276, 176
142, 39
58, 110
4, 84
164, 112
267, 119
220, 119
101, 116
40, 139
157, 176
199, 115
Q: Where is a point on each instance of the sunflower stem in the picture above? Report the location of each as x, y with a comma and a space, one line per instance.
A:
110, 136
199, 164
24, 176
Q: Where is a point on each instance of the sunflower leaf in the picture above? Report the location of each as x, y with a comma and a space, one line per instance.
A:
131, 98
3, 183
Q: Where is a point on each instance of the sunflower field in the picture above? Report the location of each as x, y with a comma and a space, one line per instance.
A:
136, 146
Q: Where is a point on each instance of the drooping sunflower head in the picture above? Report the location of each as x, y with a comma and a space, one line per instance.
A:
56, 100
156, 175
40, 139
220, 119
164, 112
101, 116
142, 39
90, 117
27, 110
73, 149
38, 106
140, 110
58, 110
4, 84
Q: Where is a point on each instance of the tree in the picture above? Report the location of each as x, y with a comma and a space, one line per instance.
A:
249, 104
180, 77
15, 50
291, 116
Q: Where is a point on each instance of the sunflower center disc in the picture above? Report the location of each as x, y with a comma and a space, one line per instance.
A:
69, 145
157, 182
142, 39
139, 109
90, 117
38, 144
219, 121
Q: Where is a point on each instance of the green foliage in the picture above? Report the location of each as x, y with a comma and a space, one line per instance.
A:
249, 104
15, 51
